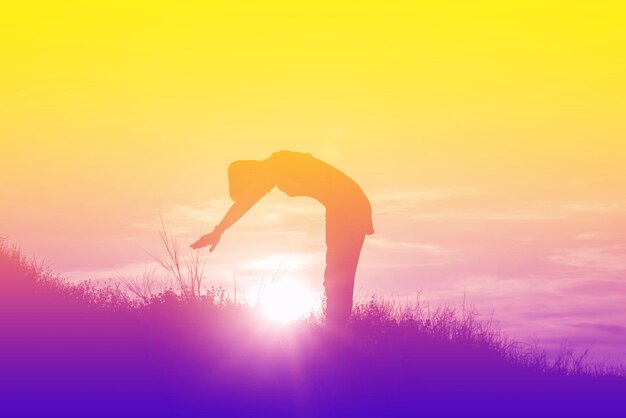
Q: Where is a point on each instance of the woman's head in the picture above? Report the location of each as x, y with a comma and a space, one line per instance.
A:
248, 178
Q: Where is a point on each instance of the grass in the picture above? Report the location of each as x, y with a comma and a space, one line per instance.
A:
75, 349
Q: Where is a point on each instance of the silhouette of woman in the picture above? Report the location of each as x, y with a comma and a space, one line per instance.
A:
348, 215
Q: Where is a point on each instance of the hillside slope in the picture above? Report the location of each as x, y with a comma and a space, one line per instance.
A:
75, 350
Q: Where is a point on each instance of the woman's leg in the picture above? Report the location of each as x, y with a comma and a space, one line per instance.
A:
342, 257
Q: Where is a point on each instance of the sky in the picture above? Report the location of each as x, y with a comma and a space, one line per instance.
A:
489, 137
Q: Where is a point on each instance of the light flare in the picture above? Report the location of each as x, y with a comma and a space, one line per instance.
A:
287, 301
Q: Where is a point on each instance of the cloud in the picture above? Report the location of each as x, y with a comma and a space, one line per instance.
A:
290, 261
289, 215
426, 194
205, 212
588, 236
407, 245
464, 203
601, 328
595, 207
611, 258
504, 214
403, 200
179, 218
596, 288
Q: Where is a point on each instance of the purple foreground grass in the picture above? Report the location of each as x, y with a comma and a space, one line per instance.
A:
77, 350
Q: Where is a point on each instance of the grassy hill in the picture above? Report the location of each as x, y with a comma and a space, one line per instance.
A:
77, 350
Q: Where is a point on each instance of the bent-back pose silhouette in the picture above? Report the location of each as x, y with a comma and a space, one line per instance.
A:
348, 215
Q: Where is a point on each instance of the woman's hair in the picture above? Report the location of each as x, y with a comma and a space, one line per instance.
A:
248, 179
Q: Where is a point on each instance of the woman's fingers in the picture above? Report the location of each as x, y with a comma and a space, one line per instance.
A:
198, 244
207, 239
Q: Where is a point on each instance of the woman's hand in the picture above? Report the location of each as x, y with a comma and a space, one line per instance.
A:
211, 239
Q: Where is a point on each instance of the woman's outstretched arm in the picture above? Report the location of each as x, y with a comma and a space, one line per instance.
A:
236, 211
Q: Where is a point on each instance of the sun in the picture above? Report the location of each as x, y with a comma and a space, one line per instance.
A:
287, 301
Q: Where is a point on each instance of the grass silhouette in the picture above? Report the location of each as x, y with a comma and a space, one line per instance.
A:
76, 349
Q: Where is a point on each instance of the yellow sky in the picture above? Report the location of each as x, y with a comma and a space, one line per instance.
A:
117, 110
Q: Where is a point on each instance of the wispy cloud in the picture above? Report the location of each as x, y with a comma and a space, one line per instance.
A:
433, 249
601, 328
486, 214
588, 236
596, 206
596, 288
427, 194
611, 258
403, 201
475, 204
